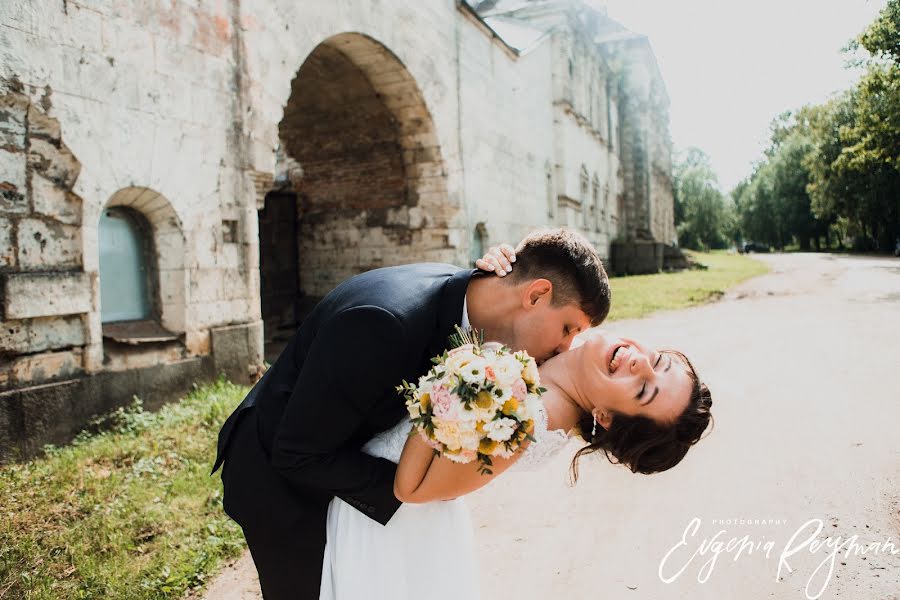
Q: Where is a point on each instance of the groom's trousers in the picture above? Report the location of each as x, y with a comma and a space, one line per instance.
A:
284, 529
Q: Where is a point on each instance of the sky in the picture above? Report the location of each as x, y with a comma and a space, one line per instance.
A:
731, 66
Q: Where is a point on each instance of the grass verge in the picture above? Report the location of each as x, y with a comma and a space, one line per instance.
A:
640, 295
128, 513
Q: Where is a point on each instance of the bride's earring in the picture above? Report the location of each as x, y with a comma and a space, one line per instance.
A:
594, 428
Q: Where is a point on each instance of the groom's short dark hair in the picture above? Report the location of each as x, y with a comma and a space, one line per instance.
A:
571, 264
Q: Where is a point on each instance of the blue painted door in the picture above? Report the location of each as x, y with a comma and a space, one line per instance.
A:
123, 272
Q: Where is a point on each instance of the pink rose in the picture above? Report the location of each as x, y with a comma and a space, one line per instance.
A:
519, 389
443, 403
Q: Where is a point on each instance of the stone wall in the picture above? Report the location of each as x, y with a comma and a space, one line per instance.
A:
402, 131
45, 293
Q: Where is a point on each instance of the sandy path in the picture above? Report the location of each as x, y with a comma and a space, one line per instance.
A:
804, 366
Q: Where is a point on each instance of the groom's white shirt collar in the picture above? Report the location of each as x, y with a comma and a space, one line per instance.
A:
464, 324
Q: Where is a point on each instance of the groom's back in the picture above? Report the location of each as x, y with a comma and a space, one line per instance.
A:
406, 291
411, 293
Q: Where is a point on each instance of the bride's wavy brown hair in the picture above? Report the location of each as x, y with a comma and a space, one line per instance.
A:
644, 445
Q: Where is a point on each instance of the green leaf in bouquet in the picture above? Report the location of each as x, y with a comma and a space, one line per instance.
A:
485, 462
465, 391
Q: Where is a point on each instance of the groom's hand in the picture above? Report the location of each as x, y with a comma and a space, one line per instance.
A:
498, 259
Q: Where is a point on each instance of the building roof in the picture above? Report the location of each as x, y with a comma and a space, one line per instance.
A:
517, 34
524, 24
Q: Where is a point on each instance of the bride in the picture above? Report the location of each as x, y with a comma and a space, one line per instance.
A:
642, 408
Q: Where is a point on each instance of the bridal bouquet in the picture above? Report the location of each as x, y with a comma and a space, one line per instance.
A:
478, 401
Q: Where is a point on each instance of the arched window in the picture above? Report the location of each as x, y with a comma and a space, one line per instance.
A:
597, 215
125, 274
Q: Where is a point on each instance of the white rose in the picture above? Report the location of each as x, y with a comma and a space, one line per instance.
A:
532, 406
500, 430
447, 433
469, 439
507, 370
459, 357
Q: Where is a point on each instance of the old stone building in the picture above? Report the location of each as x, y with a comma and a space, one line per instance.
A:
180, 181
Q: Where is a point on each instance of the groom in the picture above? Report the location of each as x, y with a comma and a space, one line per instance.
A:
294, 442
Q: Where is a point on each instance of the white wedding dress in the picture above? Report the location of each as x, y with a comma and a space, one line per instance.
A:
426, 551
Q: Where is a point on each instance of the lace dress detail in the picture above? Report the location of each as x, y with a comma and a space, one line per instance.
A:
389, 443
547, 445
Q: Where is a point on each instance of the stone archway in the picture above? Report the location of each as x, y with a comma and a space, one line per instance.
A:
372, 189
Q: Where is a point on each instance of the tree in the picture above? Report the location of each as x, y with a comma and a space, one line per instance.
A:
702, 216
836, 165
773, 205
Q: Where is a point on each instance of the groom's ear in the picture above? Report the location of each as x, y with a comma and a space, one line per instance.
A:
539, 290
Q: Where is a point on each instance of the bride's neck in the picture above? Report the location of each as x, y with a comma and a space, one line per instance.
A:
563, 400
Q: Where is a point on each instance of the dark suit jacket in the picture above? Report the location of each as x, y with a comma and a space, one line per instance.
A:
333, 386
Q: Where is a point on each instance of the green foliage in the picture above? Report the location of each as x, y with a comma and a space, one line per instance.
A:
703, 215
882, 38
129, 512
774, 205
835, 167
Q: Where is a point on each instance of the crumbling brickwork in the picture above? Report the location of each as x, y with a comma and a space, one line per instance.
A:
45, 295
389, 132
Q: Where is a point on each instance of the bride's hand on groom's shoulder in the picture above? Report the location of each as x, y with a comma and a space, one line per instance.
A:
498, 259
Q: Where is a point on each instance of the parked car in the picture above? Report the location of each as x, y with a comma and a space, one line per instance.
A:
754, 247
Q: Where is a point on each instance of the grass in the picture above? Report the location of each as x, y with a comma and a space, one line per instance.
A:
640, 295
128, 513
132, 513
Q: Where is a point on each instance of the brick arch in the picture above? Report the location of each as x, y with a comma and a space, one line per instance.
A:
373, 190
169, 250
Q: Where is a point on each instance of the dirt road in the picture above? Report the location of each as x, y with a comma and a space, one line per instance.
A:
804, 366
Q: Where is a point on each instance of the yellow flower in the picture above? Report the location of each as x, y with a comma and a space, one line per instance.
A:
484, 400
487, 446
510, 406
425, 402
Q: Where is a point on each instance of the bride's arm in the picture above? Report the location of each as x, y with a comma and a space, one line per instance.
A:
424, 477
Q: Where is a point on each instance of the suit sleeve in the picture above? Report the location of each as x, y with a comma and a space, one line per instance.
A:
355, 358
